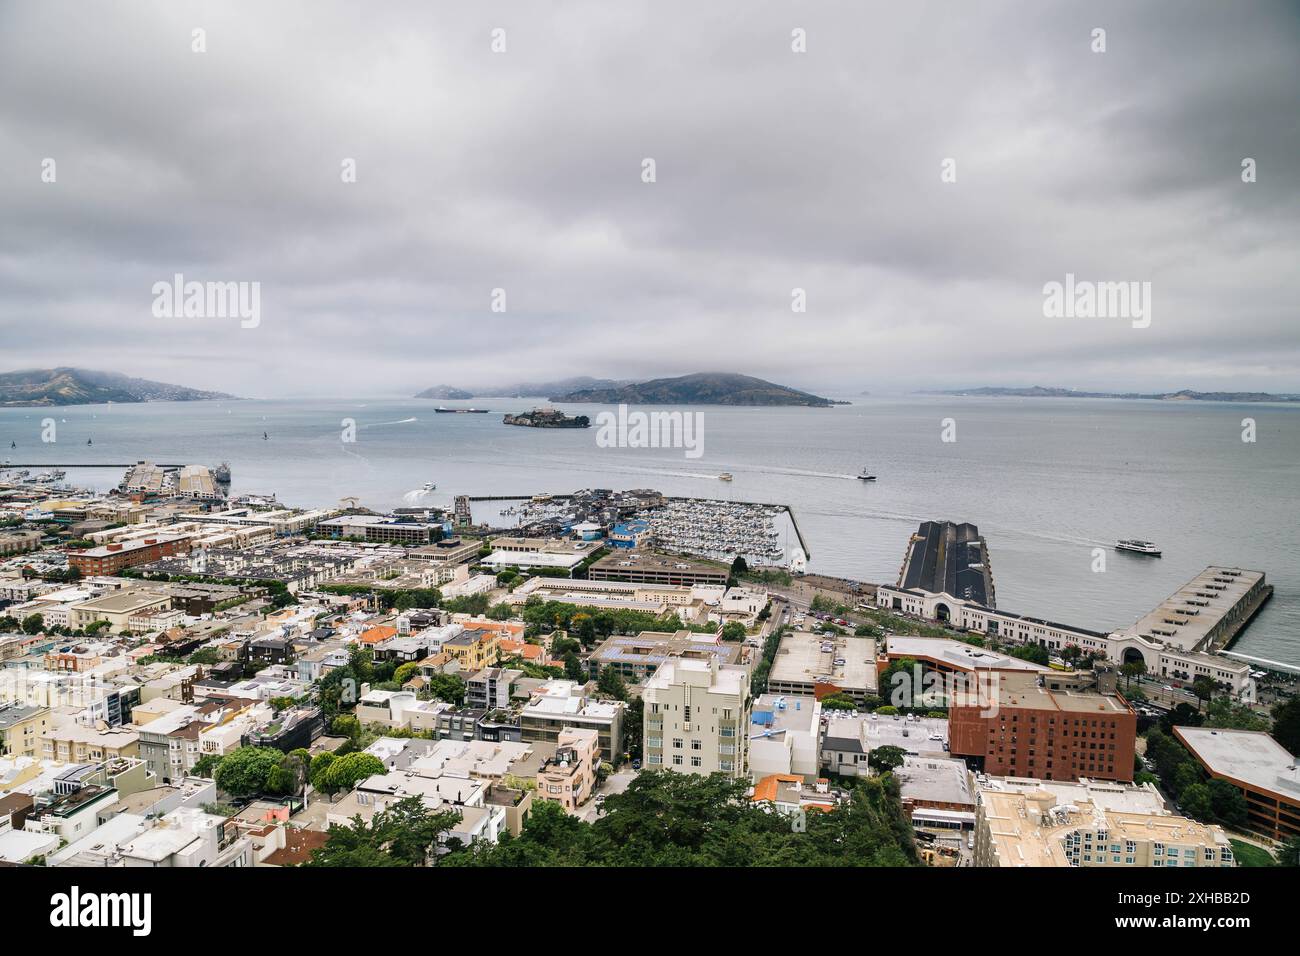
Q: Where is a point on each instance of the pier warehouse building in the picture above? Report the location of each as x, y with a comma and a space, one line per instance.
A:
1178, 640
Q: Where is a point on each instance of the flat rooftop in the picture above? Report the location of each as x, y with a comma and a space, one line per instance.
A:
807, 658
1022, 689
1251, 757
944, 557
1186, 618
936, 780
653, 562
957, 654
652, 648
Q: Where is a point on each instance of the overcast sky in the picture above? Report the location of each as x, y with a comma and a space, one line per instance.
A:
775, 170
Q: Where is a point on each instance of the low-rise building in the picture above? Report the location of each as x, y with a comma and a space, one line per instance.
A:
1266, 774
558, 705
822, 665
785, 736
21, 729
569, 777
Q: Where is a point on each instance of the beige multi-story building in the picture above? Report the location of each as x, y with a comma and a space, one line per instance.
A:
697, 714
117, 609
1030, 823
74, 743
569, 777
21, 727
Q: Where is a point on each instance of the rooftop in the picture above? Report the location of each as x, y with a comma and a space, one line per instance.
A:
1249, 756
804, 657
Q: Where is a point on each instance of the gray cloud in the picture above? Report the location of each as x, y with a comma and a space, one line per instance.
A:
775, 170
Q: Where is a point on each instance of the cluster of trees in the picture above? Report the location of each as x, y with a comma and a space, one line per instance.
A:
662, 819
337, 691
333, 773
758, 678
404, 834
253, 771
1211, 801
31, 624
1286, 724
590, 627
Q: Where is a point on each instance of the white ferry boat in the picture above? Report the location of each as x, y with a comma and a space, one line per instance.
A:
1137, 547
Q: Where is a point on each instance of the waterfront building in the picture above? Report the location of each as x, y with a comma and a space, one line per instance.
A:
1178, 640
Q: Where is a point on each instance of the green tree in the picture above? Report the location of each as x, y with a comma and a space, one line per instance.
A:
838, 702
1204, 688
349, 770
610, 683
33, 623
573, 668
1289, 853
405, 672
206, 766
404, 834
1286, 724
733, 631
244, 772
447, 687
319, 771
886, 758
1131, 670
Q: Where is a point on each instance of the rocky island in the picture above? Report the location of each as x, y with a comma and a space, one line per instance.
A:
547, 418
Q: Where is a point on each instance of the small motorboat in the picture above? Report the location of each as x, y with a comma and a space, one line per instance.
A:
865, 476
725, 476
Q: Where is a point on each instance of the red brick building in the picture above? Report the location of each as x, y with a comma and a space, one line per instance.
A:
1058, 726
112, 558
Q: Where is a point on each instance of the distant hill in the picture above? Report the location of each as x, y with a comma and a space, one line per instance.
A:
522, 389
79, 386
445, 392
702, 388
1186, 395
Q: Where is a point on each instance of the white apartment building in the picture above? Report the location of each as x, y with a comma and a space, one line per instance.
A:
697, 716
